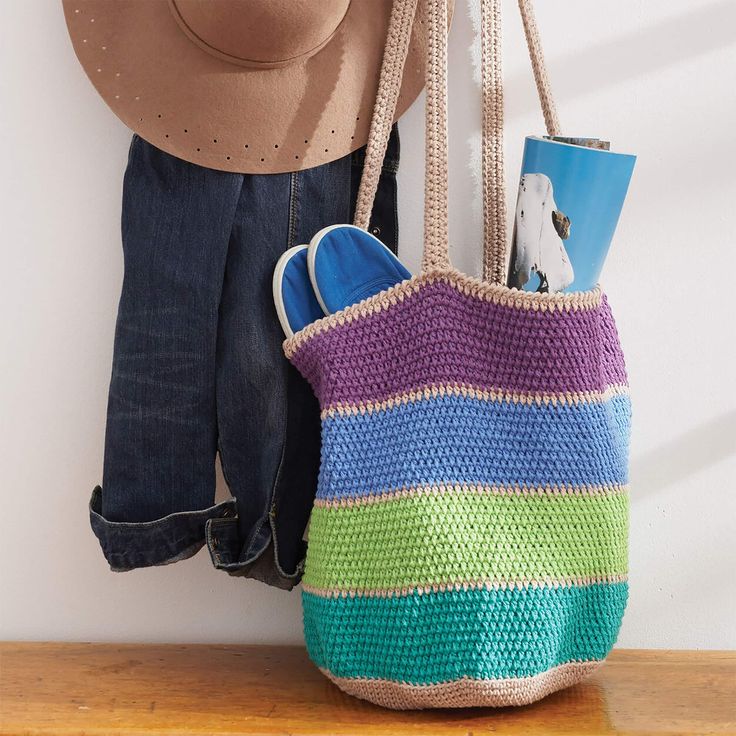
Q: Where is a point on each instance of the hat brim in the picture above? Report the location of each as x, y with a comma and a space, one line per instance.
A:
210, 112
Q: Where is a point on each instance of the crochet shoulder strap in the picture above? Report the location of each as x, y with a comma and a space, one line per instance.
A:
436, 253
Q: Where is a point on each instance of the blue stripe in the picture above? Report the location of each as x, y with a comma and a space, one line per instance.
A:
485, 634
462, 440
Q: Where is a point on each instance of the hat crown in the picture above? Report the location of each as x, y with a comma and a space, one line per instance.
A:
260, 33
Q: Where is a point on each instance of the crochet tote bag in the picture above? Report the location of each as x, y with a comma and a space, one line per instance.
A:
468, 543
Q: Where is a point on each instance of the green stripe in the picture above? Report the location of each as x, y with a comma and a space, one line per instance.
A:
456, 537
484, 634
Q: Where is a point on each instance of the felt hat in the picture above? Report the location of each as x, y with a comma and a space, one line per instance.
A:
252, 86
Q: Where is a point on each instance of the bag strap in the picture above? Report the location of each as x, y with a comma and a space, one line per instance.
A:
436, 253
494, 172
539, 68
389, 84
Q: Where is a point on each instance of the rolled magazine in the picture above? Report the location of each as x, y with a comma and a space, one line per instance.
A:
571, 193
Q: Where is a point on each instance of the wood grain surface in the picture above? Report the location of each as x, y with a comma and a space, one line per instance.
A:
54, 688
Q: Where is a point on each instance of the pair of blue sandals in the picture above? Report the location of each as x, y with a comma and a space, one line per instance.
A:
342, 265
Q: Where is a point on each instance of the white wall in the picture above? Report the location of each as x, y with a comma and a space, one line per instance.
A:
657, 77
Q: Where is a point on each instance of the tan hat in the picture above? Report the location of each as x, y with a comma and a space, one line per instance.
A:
253, 86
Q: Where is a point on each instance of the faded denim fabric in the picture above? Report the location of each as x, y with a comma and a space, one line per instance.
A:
198, 366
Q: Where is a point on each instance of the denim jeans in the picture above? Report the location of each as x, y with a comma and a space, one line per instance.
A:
198, 366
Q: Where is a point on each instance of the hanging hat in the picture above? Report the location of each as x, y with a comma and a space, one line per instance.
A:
253, 86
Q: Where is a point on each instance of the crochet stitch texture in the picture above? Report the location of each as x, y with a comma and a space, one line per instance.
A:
468, 544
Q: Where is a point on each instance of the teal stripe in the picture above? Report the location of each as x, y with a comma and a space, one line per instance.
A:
484, 634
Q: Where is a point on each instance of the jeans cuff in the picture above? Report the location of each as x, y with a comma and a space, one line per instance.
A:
128, 545
260, 562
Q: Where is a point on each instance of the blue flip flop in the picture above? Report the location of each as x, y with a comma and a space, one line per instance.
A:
296, 304
347, 264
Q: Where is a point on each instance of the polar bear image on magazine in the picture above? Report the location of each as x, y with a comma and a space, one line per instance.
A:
539, 231
571, 193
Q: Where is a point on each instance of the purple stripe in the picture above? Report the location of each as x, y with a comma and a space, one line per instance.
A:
439, 336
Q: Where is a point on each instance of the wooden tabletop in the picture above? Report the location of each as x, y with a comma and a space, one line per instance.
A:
50, 688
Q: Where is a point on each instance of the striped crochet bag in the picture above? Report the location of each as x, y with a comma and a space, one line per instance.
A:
468, 543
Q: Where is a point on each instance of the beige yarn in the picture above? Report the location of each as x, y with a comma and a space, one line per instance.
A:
389, 84
538, 67
465, 693
436, 251
494, 193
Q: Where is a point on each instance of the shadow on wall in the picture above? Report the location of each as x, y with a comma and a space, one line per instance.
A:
686, 455
698, 32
